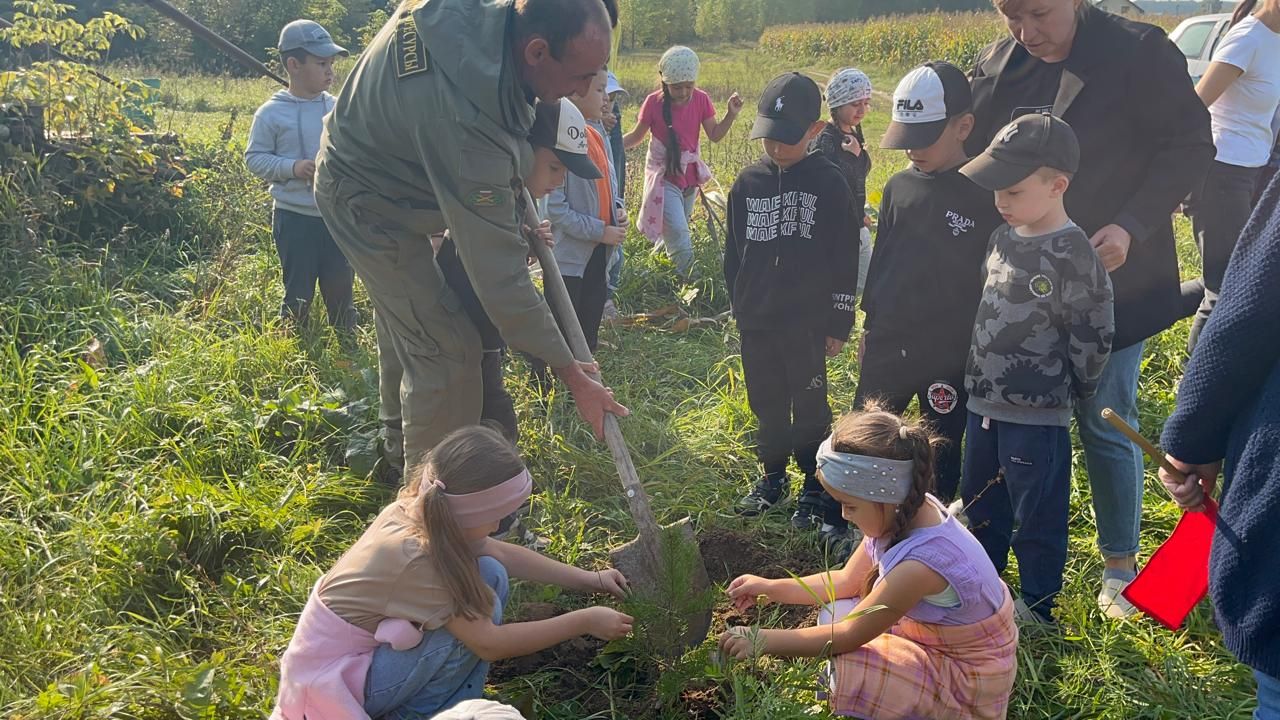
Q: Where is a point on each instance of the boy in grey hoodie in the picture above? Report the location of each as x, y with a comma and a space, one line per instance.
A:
1041, 339
283, 143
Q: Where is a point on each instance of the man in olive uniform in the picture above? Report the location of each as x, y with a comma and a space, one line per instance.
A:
429, 133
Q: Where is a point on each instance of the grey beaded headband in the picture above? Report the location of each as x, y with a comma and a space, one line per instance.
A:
868, 478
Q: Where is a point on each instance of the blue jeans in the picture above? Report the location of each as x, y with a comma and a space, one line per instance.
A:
1268, 697
1114, 463
437, 674
677, 207
1027, 509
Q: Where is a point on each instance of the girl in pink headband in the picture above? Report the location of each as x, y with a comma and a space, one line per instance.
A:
917, 624
409, 618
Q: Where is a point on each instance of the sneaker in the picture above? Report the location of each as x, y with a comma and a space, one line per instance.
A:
763, 497
838, 542
1024, 615
956, 510
1111, 601
611, 314
808, 512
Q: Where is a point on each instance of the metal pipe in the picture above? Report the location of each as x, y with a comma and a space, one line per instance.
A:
248, 61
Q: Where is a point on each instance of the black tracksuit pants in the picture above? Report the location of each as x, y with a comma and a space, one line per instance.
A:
308, 255
786, 374
893, 379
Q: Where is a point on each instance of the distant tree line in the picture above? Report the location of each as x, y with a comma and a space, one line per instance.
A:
254, 24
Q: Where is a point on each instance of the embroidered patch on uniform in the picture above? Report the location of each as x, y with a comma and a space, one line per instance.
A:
942, 398
411, 54
1041, 286
484, 199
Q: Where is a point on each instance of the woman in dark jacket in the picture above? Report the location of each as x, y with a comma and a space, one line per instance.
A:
1145, 144
1229, 407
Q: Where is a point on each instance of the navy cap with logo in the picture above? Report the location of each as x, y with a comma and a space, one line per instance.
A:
1022, 147
789, 106
309, 35
560, 127
923, 102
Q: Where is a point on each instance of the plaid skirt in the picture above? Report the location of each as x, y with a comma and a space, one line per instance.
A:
925, 671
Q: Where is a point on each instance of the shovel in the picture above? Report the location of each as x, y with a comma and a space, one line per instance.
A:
640, 560
1176, 578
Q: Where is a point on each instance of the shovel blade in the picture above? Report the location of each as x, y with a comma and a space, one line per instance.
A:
640, 562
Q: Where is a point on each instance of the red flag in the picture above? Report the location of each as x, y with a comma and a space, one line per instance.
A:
1177, 576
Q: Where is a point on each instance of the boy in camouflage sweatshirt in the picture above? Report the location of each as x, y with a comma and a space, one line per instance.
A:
1041, 339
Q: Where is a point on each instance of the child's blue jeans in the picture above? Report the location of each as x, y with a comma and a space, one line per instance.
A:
437, 674
677, 207
1026, 506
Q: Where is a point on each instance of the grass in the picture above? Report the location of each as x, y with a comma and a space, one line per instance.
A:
165, 512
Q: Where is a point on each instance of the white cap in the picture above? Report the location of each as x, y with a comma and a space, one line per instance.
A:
480, 710
923, 102
613, 86
560, 127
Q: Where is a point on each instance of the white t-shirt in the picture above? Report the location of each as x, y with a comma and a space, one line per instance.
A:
1242, 117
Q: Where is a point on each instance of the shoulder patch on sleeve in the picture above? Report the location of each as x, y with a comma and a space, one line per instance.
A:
411, 53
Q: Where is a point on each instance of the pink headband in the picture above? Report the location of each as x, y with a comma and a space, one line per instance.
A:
478, 509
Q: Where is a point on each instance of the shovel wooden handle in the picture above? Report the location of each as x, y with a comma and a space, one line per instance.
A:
558, 296
1152, 451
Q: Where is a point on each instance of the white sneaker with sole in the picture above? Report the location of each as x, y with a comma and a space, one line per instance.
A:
1111, 601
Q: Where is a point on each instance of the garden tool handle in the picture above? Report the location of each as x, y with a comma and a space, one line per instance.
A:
553, 287
1152, 451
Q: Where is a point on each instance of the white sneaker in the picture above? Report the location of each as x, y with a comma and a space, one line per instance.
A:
1112, 602
611, 314
956, 510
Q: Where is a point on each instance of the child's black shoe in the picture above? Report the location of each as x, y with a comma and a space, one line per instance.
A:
838, 543
763, 497
808, 514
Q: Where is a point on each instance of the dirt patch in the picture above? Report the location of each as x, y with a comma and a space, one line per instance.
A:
730, 553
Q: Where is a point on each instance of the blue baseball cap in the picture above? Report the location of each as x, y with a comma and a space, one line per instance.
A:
309, 35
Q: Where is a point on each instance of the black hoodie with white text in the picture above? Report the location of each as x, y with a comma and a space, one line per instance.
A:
791, 256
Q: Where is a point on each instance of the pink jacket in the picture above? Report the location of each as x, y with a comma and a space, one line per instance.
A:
323, 670
649, 220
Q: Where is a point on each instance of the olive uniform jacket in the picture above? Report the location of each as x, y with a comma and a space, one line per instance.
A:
430, 132
1145, 144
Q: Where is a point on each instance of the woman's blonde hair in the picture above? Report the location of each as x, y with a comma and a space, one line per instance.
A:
875, 432
468, 460
1011, 6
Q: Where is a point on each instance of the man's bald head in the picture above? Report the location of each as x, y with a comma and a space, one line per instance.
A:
562, 44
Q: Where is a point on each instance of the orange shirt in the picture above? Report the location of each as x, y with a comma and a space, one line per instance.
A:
595, 151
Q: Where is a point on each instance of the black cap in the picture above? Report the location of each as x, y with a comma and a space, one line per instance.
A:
923, 102
560, 127
1022, 147
791, 103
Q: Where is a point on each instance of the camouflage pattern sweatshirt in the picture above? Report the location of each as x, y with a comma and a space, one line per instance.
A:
1044, 327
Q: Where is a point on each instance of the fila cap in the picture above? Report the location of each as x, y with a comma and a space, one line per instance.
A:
923, 102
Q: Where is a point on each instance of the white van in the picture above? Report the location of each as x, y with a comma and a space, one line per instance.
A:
1197, 38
